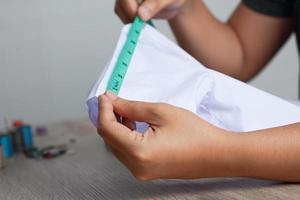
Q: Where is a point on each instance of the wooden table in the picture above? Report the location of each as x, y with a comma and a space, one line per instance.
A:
93, 173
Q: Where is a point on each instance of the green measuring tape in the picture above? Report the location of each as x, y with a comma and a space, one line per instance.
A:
125, 56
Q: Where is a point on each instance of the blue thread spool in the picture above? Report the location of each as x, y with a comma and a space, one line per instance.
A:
27, 136
16, 136
6, 143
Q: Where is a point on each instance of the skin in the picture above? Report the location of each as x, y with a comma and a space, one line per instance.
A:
253, 38
178, 144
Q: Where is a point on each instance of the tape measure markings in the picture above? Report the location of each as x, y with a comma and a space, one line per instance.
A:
125, 57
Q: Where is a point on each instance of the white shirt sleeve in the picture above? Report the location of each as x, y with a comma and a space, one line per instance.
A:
160, 71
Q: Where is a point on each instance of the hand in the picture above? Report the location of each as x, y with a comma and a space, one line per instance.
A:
178, 144
164, 9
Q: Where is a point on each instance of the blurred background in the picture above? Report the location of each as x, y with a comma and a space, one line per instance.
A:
52, 51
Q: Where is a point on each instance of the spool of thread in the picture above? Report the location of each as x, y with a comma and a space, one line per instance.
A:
6, 143
16, 140
17, 123
26, 137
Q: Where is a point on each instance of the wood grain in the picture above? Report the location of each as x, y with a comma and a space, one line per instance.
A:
93, 173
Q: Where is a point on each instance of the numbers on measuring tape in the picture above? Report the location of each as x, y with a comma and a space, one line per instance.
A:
119, 72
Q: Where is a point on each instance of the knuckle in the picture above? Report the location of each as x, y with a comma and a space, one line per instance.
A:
142, 157
99, 130
141, 176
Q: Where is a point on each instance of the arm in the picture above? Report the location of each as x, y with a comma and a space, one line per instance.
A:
270, 154
202, 151
239, 48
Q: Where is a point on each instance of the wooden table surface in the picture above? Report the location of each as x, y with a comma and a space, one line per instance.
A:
93, 173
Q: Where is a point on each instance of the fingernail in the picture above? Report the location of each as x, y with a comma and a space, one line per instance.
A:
145, 13
111, 95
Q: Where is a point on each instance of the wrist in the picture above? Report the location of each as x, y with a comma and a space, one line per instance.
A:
226, 160
237, 156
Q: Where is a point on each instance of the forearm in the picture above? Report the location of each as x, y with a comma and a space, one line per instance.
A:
239, 48
269, 154
210, 41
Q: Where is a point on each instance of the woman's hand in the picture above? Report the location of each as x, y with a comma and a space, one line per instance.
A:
164, 9
178, 144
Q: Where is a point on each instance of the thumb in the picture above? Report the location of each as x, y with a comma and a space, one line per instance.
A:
136, 110
114, 133
149, 8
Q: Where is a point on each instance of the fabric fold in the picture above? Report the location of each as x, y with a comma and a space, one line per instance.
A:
160, 71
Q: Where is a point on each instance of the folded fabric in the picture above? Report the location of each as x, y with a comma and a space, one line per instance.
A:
160, 71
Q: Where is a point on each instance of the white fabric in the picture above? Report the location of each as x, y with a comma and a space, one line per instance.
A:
160, 71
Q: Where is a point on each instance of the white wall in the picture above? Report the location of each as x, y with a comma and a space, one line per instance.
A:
51, 52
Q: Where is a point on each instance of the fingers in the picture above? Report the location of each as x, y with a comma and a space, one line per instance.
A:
119, 11
129, 123
130, 8
137, 111
115, 133
149, 8
106, 110
126, 10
